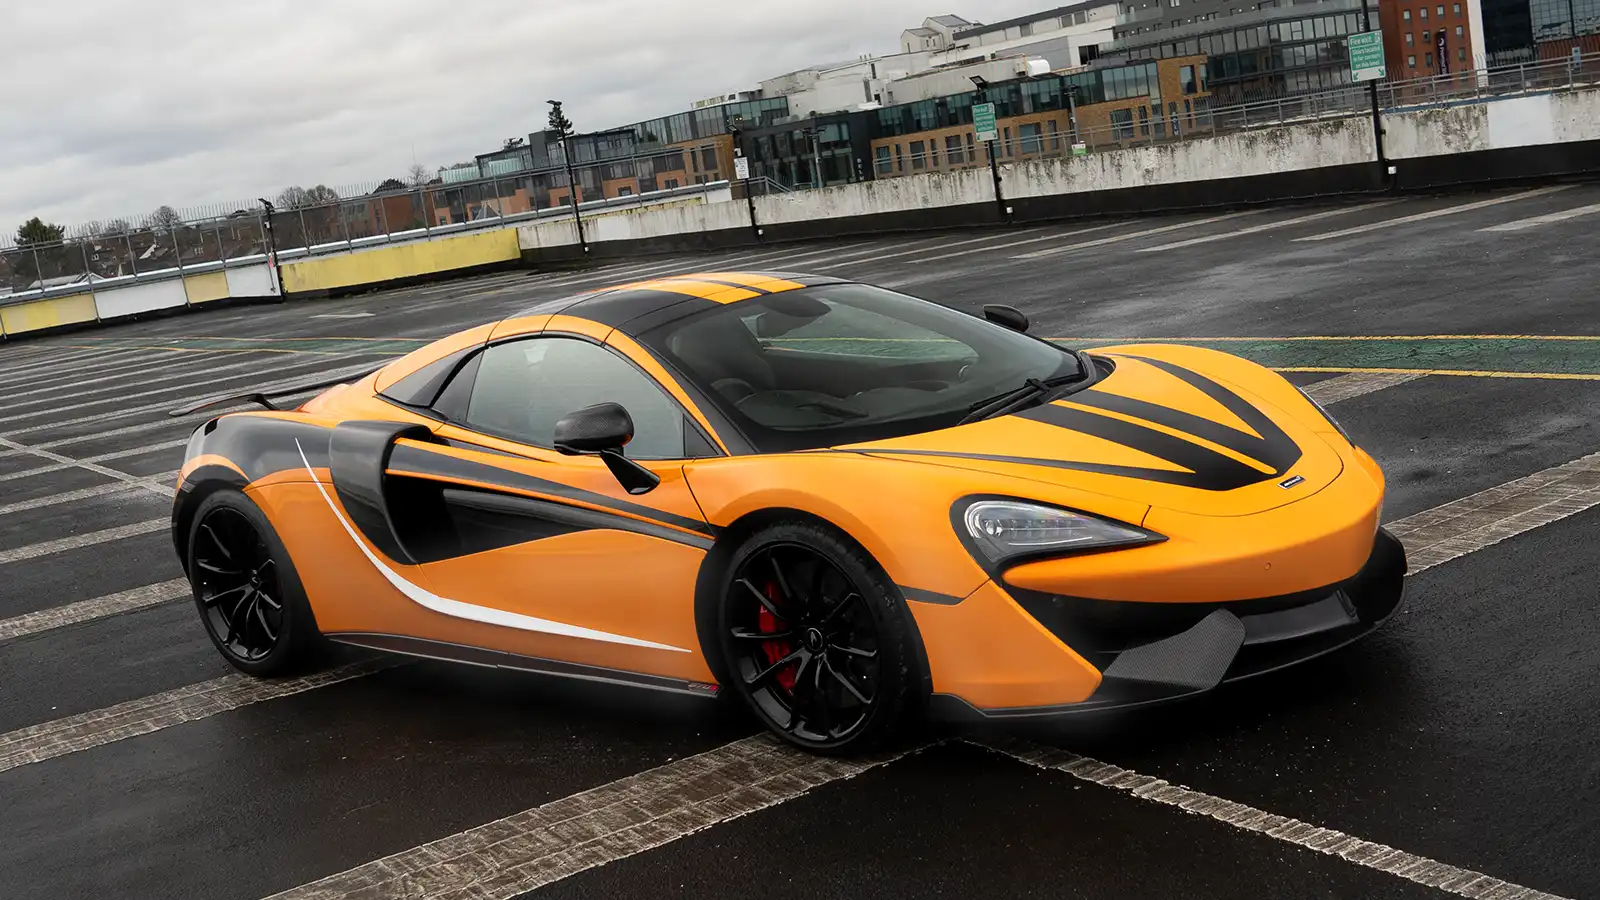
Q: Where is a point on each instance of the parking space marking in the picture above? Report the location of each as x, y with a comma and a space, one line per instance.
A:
168, 370
253, 368
73, 734
1436, 213
56, 368
1386, 859
1117, 239
1547, 219
977, 240
100, 458
1254, 229
1356, 384
98, 608
359, 315
1025, 241
10, 446
87, 539
87, 493
54, 379
1486, 518
559, 839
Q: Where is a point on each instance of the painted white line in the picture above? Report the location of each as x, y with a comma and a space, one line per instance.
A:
547, 843
74, 362
1383, 858
98, 608
190, 381
1117, 239
359, 315
173, 369
166, 361
887, 256
807, 251
1344, 387
1008, 245
87, 539
88, 493
165, 421
1436, 213
103, 457
1256, 229
1547, 219
74, 734
1486, 518
43, 453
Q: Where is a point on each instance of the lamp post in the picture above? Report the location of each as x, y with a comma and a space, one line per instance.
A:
272, 242
563, 129
982, 84
735, 126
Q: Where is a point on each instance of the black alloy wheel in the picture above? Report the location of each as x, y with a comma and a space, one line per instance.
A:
812, 639
236, 584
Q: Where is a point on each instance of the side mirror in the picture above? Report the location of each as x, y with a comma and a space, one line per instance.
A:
1006, 317
603, 430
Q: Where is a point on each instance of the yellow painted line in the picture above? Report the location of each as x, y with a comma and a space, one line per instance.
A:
1380, 337
1464, 373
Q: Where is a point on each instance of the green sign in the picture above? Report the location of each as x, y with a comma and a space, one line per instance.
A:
1366, 56
983, 122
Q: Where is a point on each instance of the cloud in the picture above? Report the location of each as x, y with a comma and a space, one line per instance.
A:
130, 106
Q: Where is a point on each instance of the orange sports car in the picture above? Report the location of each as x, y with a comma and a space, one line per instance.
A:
841, 504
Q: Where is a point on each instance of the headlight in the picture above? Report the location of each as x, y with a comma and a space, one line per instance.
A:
1001, 531
1326, 415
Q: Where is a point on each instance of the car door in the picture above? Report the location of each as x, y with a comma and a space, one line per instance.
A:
548, 549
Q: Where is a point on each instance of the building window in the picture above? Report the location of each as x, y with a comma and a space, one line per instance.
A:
624, 192
1429, 58
1405, 15
1187, 80
1410, 39
1455, 8
1458, 31
1032, 136
885, 161
1055, 136
708, 159
919, 155
671, 183
1144, 122
1122, 124
1411, 61
1439, 10
1426, 37
1174, 3
1423, 12
1461, 54
953, 154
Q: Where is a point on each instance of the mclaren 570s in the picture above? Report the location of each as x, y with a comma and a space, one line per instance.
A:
844, 506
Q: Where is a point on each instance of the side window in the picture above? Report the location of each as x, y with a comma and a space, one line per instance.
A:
524, 387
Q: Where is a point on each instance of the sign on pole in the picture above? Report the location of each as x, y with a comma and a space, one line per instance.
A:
1366, 56
741, 168
983, 122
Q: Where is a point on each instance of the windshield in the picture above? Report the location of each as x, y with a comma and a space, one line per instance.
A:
842, 363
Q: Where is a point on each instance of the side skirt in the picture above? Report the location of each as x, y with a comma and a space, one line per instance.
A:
495, 659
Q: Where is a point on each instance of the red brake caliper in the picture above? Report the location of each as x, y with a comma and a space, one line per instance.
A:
775, 650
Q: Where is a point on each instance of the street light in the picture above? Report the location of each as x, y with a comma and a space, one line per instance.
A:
563, 129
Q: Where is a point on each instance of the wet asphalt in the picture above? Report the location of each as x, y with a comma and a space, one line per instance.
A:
1465, 732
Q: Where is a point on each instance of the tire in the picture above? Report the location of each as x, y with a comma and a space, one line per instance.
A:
812, 681
238, 568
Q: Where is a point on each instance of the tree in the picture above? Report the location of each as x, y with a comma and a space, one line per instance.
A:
114, 228
418, 175
559, 123
36, 231
321, 195
388, 185
292, 198
165, 220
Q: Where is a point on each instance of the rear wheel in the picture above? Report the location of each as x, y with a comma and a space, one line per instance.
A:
817, 640
246, 589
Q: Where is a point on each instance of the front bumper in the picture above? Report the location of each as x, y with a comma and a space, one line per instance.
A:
1151, 653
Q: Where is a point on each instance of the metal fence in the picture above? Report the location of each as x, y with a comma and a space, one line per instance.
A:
1198, 119
324, 220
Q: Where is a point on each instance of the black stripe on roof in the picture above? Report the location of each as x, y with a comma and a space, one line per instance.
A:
617, 307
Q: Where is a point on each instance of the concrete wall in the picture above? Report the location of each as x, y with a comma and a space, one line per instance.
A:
1272, 151
388, 263
1498, 125
916, 193
111, 301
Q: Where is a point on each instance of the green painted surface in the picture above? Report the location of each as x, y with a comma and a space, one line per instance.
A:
1495, 354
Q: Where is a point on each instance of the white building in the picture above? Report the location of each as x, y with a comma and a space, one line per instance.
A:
936, 33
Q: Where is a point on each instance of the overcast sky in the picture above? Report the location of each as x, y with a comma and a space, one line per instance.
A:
113, 108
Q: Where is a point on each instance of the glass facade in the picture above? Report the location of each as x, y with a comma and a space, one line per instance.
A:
1558, 19
1043, 94
1256, 51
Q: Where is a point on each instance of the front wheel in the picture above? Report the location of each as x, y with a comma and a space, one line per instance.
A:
247, 590
817, 639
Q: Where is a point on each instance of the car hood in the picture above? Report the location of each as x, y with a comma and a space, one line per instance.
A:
1185, 432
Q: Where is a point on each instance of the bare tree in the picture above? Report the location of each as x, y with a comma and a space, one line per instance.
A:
418, 175
165, 220
292, 198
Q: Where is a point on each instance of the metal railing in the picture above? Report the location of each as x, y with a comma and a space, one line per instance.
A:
325, 220
1142, 127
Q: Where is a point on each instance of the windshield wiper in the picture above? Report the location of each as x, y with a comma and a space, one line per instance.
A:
1008, 403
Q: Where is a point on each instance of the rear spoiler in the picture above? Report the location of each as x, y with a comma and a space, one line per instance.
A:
264, 398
